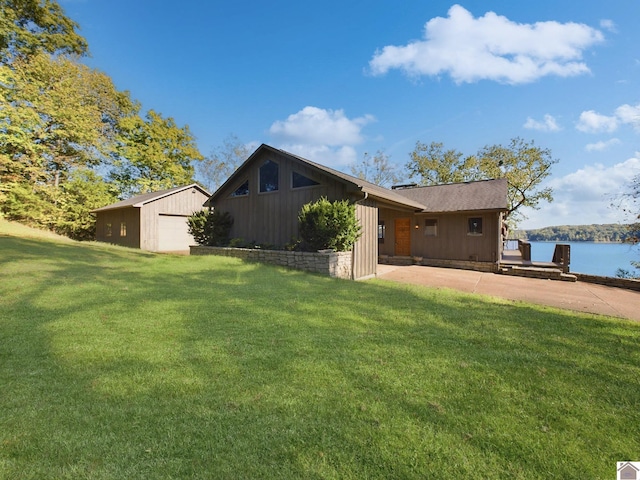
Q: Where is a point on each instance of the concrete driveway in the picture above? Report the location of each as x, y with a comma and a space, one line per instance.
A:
578, 296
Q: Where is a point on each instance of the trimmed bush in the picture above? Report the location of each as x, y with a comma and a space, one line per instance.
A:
210, 229
328, 225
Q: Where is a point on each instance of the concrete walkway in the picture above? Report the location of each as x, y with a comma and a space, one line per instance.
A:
578, 296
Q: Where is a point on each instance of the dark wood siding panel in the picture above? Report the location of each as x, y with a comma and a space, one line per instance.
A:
452, 241
272, 218
129, 216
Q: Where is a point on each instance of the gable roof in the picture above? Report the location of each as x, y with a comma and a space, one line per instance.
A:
140, 200
370, 189
481, 195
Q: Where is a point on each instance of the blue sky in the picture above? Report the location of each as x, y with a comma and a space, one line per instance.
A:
332, 80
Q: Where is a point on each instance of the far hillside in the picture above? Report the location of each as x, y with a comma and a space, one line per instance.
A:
612, 233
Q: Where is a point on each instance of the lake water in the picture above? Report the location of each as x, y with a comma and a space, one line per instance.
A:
592, 258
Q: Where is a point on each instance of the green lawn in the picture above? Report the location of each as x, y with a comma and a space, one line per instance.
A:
120, 364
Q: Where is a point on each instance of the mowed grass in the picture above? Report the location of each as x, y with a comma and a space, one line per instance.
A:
120, 364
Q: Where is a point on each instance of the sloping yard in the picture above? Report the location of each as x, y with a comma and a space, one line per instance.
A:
120, 364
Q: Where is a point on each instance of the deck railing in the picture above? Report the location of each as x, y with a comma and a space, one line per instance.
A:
522, 246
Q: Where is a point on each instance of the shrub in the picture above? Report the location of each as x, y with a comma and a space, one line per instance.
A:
324, 224
210, 228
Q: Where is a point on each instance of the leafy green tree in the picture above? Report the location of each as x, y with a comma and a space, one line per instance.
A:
436, 166
153, 154
324, 224
523, 164
85, 191
214, 170
376, 169
59, 112
31, 26
58, 116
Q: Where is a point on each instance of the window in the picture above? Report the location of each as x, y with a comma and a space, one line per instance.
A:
299, 181
381, 231
475, 226
242, 190
123, 229
108, 230
431, 227
269, 177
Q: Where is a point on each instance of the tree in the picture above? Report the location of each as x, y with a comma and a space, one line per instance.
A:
222, 162
376, 169
153, 153
436, 166
31, 26
57, 116
85, 191
523, 164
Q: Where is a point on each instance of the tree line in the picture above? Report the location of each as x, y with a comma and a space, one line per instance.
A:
606, 233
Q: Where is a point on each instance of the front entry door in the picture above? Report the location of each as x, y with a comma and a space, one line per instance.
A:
403, 237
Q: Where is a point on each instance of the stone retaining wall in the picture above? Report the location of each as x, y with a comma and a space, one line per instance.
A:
333, 264
430, 262
627, 283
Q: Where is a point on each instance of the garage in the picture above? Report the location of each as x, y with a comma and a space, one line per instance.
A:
173, 233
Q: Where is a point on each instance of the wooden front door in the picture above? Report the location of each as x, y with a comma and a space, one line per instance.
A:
403, 237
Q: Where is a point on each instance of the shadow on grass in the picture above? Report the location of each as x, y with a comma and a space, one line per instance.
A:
125, 364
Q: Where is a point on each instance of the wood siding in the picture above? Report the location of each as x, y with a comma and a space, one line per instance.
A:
452, 241
182, 203
112, 221
272, 218
365, 251
142, 222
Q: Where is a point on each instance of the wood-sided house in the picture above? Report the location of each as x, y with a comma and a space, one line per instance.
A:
459, 223
155, 221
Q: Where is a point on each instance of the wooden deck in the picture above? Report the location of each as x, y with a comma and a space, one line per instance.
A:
514, 258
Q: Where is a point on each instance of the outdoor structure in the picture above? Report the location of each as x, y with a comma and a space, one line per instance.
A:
459, 223
154, 221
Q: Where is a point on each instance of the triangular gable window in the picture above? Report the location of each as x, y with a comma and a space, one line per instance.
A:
242, 190
298, 181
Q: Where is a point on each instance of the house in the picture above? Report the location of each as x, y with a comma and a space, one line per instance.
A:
154, 221
628, 470
459, 223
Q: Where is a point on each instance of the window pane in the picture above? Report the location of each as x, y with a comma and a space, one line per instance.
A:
298, 181
269, 177
381, 231
123, 229
430, 228
242, 190
475, 226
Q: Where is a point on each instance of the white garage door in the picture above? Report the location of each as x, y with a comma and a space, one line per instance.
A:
173, 234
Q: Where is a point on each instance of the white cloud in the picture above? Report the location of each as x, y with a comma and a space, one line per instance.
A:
335, 157
592, 122
490, 47
549, 124
325, 136
586, 196
602, 145
630, 115
610, 25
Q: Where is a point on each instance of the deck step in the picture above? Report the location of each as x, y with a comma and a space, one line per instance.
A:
537, 272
